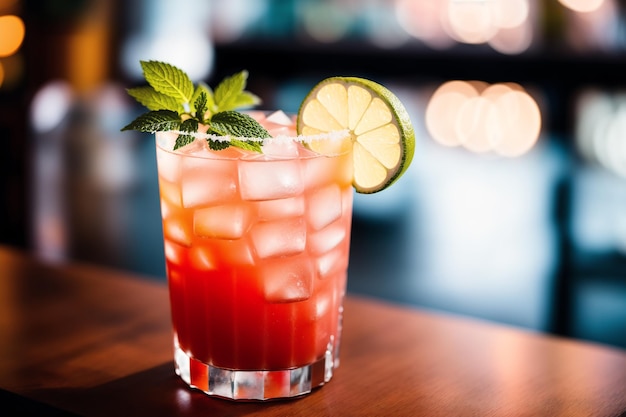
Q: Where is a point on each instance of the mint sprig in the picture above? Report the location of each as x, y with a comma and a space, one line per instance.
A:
175, 103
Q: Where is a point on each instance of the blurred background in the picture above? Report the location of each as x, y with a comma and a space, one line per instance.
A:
513, 211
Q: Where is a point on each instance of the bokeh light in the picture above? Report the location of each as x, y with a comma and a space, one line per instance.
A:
511, 13
595, 28
472, 21
50, 106
423, 20
582, 6
512, 41
229, 19
499, 118
12, 32
324, 21
506, 25
167, 31
601, 128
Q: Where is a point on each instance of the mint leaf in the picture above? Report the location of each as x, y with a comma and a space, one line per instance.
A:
228, 89
248, 145
217, 145
155, 121
168, 80
189, 125
246, 99
174, 103
230, 94
200, 106
232, 123
210, 101
153, 100
240, 125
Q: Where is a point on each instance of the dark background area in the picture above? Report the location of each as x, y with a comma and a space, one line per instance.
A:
536, 241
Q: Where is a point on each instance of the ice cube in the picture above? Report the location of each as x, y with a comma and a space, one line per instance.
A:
279, 124
170, 192
287, 280
279, 117
280, 148
178, 231
279, 238
323, 302
207, 181
195, 147
173, 252
229, 221
327, 238
168, 165
166, 208
270, 180
324, 206
326, 169
284, 132
257, 115
331, 262
235, 252
202, 258
166, 140
175, 277
282, 208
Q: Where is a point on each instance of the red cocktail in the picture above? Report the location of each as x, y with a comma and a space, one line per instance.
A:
256, 248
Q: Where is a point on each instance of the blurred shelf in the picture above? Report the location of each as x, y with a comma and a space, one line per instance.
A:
549, 66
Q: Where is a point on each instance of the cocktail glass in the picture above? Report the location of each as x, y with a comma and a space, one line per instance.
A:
256, 250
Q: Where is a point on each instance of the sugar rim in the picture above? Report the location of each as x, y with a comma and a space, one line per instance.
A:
333, 135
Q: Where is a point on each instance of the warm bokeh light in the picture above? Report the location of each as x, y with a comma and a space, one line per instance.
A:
598, 28
504, 24
423, 20
1, 74
511, 13
514, 40
521, 123
582, 6
500, 118
444, 106
12, 32
472, 21
87, 54
476, 121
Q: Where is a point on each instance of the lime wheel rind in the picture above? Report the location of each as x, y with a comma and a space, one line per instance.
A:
362, 142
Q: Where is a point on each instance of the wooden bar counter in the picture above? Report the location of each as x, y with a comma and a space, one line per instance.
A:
86, 341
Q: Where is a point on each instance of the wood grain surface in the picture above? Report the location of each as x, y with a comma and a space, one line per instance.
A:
81, 340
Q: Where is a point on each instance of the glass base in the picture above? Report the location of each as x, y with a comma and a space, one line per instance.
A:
254, 385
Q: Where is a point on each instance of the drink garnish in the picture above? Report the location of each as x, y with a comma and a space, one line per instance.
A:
382, 138
340, 114
174, 103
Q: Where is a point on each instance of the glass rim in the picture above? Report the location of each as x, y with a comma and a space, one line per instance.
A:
332, 135
303, 139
